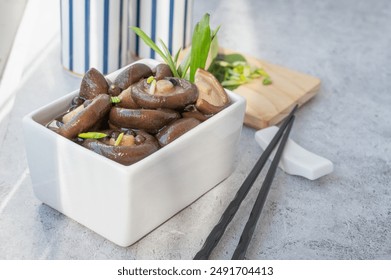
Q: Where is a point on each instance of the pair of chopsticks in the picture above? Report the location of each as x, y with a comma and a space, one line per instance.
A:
244, 241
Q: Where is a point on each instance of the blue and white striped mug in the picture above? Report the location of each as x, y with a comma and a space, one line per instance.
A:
96, 33
169, 20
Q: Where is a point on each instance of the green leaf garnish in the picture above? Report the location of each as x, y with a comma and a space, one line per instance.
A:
169, 59
204, 44
115, 99
184, 66
234, 57
92, 135
200, 45
119, 139
263, 73
233, 70
177, 56
148, 41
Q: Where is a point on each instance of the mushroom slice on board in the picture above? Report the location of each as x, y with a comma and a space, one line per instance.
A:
212, 97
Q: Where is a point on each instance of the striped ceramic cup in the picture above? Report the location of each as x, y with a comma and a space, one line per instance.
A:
95, 33
169, 20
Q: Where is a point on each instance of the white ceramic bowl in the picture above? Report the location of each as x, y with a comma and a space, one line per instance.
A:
124, 203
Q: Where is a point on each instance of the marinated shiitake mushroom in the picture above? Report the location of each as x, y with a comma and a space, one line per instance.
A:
192, 112
148, 113
212, 96
146, 119
131, 75
93, 84
175, 130
171, 93
87, 117
128, 150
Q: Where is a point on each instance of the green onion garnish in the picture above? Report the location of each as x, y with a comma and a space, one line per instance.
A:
266, 81
233, 70
119, 139
92, 135
150, 79
115, 99
204, 43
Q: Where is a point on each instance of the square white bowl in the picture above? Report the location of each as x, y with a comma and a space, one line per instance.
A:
124, 203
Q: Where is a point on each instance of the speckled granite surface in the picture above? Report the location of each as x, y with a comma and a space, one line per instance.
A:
345, 215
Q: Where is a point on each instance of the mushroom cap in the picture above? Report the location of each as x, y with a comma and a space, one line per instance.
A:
127, 154
87, 117
176, 129
93, 84
162, 70
146, 119
131, 75
212, 97
178, 97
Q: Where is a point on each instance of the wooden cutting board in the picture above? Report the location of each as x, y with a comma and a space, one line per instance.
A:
268, 105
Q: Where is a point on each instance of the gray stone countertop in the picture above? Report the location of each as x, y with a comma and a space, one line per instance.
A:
344, 215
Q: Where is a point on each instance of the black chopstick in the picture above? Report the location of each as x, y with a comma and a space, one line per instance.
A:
219, 229
248, 230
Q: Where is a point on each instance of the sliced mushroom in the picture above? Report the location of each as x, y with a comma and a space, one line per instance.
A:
212, 96
175, 130
125, 154
171, 93
131, 75
162, 70
93, 84
86, 118
149, 120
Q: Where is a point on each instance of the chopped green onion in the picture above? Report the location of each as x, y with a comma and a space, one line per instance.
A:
152, 88
119, 139
150, 79
266, 81
92, 135
115, 99
263, 73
